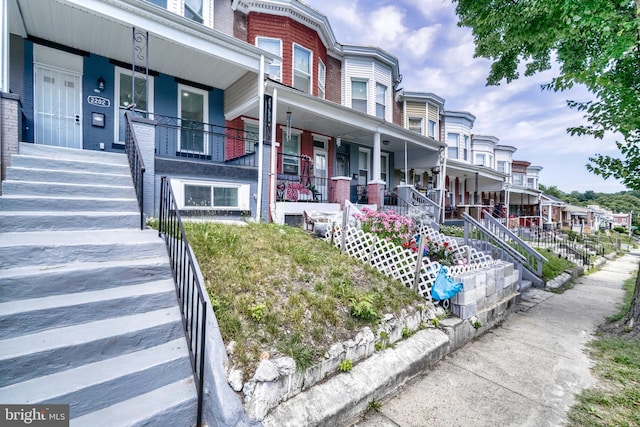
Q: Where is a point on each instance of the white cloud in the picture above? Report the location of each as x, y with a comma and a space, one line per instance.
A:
419, 43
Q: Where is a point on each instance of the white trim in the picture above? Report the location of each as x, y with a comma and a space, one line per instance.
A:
275, 62
250, 121
322, 79
116, 98
367, 151
244, 193
293, 66
294, 131
384, 159
321, 137
205, 116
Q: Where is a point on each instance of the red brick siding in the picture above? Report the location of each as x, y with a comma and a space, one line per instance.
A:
234, 143
289, 31
333, 85
397, 111
240, 25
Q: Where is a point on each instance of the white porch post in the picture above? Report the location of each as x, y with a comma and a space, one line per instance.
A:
274, 155
442, 181
376, 157
4, 46
260, 138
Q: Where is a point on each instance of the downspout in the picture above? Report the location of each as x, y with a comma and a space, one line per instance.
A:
261, 83
274, 156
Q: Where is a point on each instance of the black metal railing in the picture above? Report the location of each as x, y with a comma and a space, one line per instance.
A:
298, 181
579, 249
190, 139
136, 164
191, 298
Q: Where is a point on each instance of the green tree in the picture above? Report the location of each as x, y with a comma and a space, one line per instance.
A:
596, 43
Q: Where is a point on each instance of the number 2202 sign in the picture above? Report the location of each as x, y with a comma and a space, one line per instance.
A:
98, 101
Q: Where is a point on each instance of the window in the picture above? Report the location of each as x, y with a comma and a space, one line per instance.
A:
518, 179
465, 148
193, 9
301, 68
322, 76
359, 95
194, 195
291, 154
415, 124
503, 166
363, 166
432, 129
480, 159
384, 168
210, 196
251, 133
381, 100
272, 46
193, 109
531, 182
452, 142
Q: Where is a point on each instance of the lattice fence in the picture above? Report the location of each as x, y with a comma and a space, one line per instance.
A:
399, 263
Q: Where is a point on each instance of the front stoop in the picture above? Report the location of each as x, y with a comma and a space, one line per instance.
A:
88, 310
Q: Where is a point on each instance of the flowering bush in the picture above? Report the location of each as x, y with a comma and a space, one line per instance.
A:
387, 225
435, 251
294, 189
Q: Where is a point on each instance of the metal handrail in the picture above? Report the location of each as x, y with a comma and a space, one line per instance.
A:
469, 220
136, 164
419, 199
191, 299
534, 258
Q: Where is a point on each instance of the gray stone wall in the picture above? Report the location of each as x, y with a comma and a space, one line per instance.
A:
9, 131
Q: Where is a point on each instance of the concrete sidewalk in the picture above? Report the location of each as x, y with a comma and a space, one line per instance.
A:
524, 373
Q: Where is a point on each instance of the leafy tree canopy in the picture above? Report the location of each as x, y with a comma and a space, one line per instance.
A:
595, 42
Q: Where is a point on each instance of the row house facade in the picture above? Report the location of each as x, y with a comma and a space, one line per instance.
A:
258, 109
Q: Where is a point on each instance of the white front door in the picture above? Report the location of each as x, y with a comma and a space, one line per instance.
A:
320, 172
141, 106
58, 107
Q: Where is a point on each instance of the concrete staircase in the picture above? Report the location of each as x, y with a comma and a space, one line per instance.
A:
88, 309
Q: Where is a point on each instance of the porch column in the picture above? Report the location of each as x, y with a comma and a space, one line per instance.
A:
375, 187
342, 190
4, 46
443, 183
260, 140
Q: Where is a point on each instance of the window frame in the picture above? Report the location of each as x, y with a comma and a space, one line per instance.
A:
366, 94
465, 147
242, 196
413, 128
205, 115
275, 63
381, 109
451, 147
297, 134
249, 143
322, 78
296, 72
432, 128
367, 153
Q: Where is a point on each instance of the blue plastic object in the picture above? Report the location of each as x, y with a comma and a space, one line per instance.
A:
444, 287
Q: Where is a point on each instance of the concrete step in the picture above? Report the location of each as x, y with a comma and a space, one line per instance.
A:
97, 385
55, 248
50, 152
67, 177
524, 285
49, 203
39, 314
31, 282
172, 405
29, 356
92, 165
39, 188
11, 221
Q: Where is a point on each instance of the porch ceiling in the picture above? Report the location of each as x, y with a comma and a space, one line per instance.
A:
177, 46
334, 120
487, 178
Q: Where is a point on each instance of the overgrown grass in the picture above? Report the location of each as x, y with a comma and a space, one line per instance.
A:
616, 401
278, 290
555, 264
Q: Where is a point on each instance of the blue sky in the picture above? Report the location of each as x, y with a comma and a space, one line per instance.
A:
437, 56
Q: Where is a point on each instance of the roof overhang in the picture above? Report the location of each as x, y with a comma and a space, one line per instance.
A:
177, 46
327, 118
488, 179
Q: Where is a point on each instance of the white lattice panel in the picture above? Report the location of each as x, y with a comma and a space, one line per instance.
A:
398, 263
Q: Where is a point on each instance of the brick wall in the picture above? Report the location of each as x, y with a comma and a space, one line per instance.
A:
333, 86
240, 25
397, 111
9, 130
289, 31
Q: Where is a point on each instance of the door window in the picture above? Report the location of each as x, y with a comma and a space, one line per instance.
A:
138, 101
193, 112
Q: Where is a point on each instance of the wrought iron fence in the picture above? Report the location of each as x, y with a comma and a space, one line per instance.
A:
298, 182
176, 137
136, 164
581, 250
191, 299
